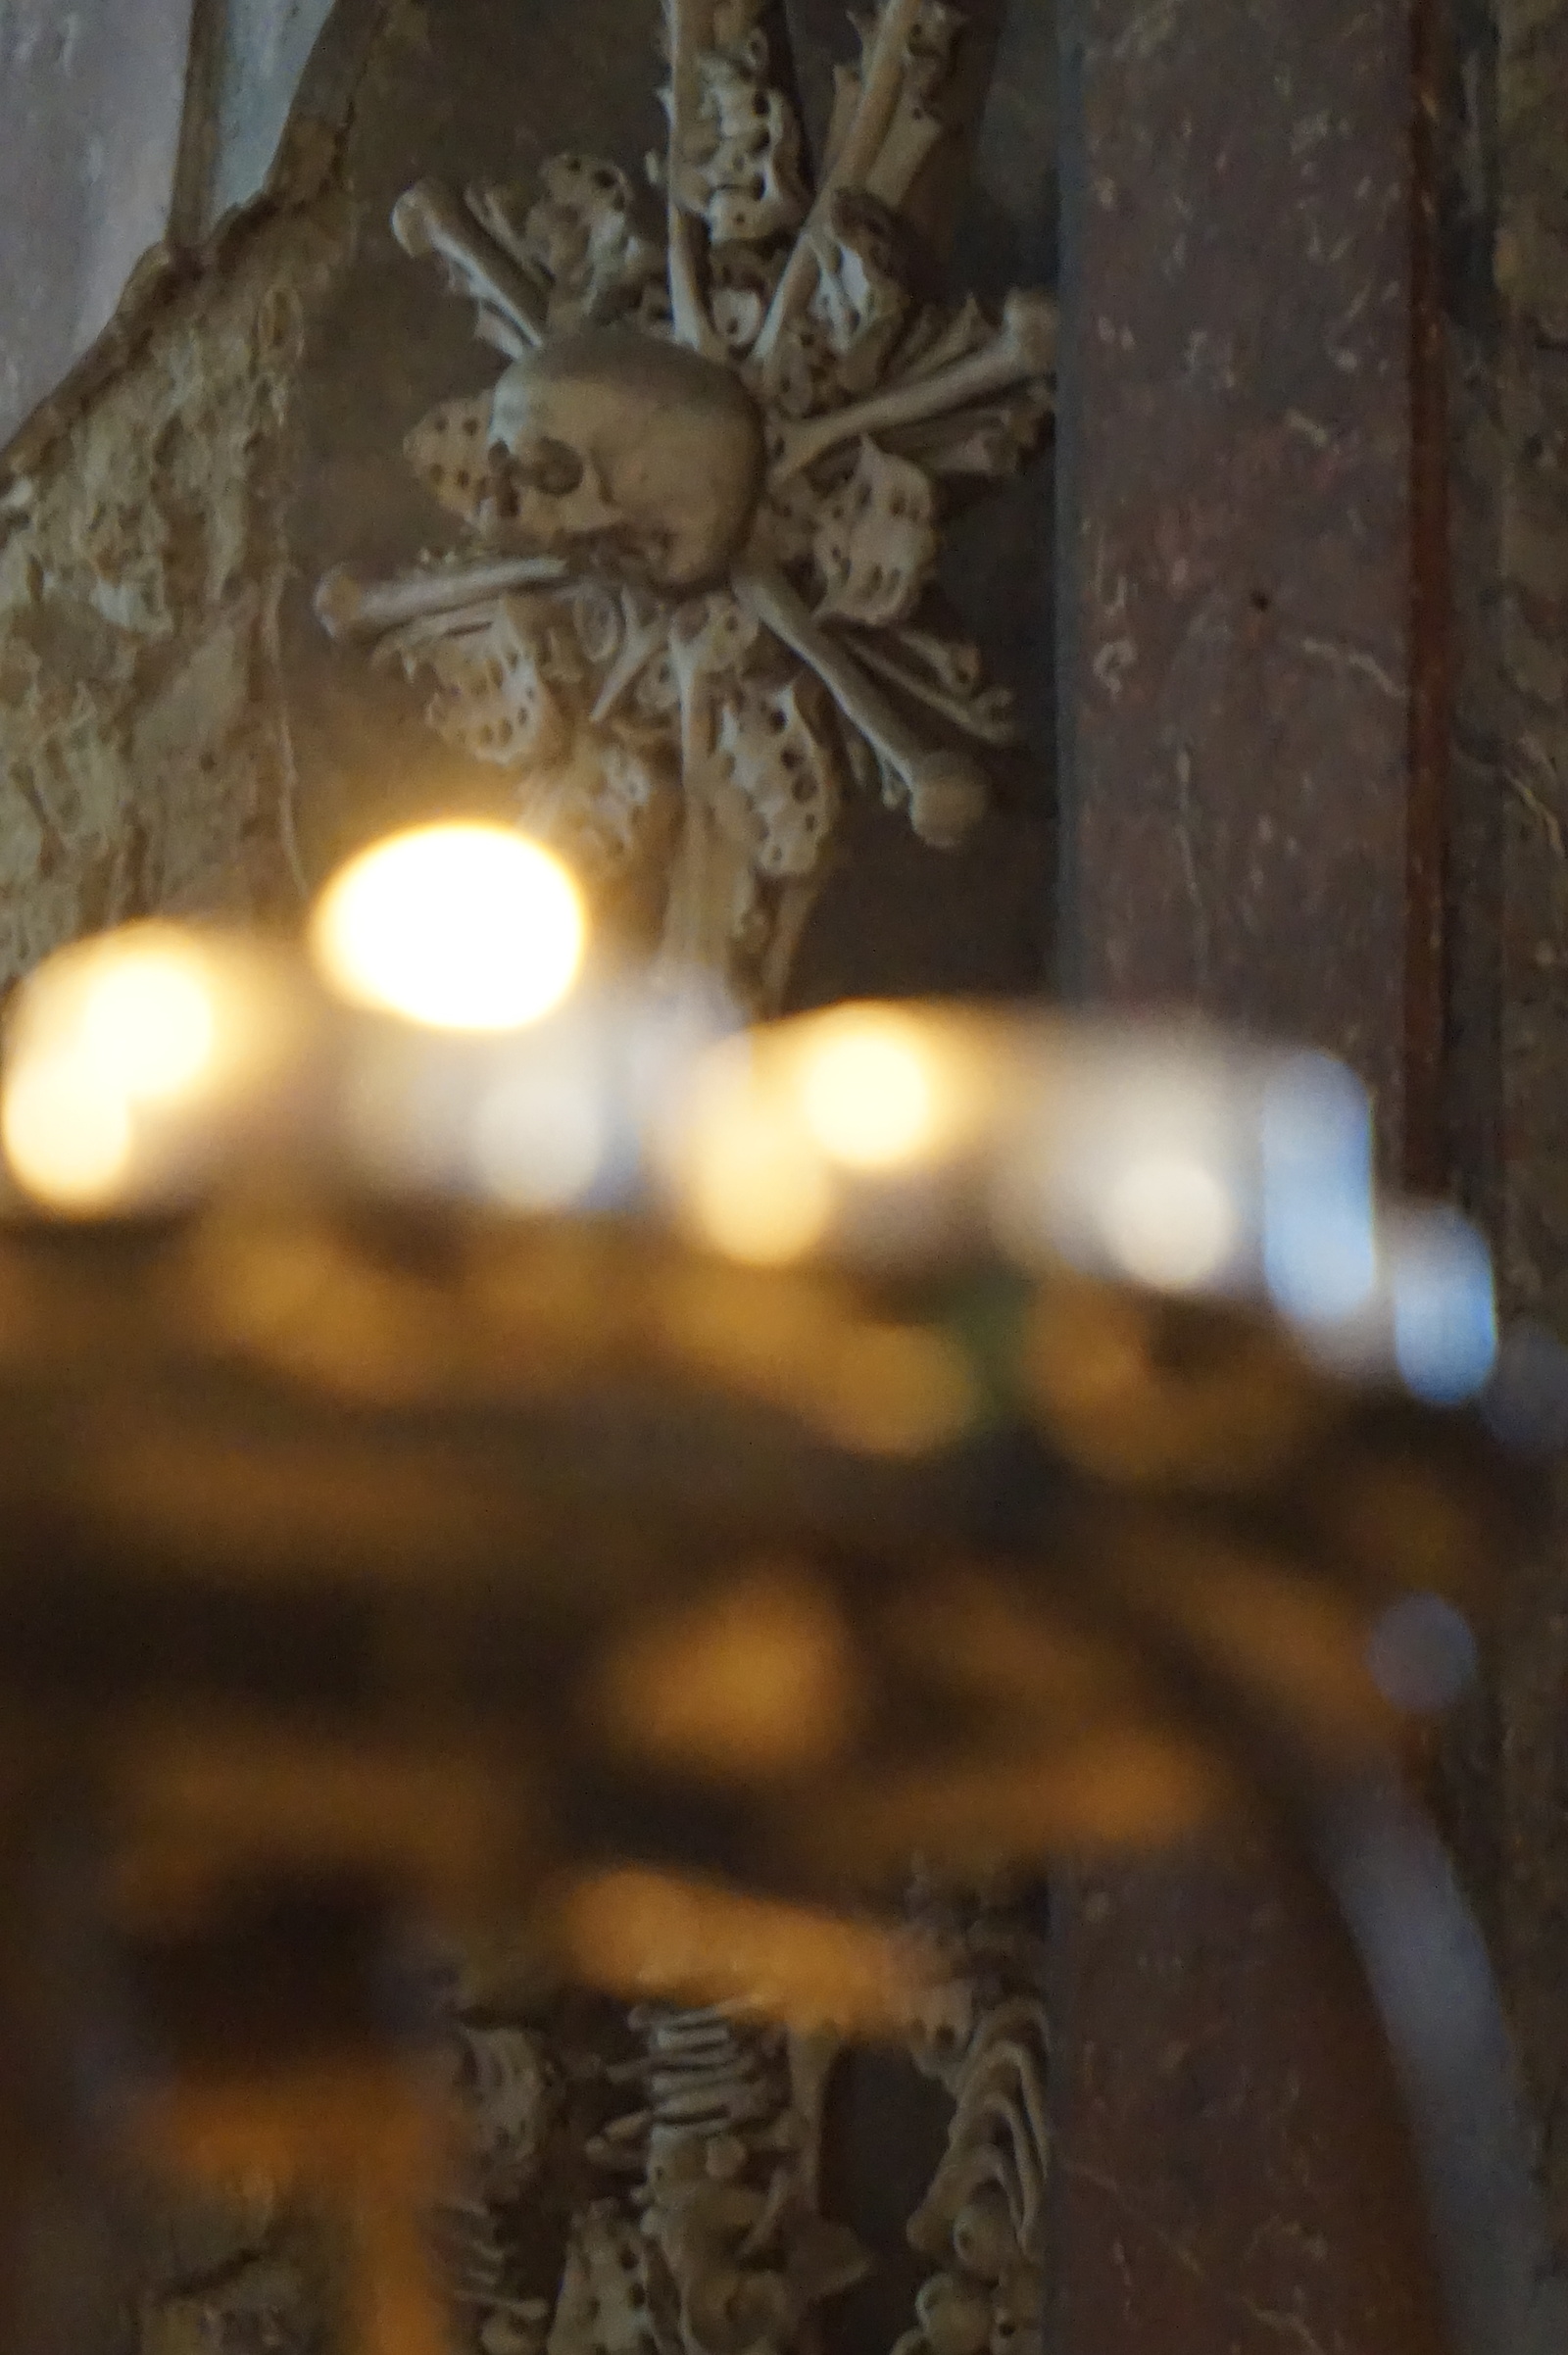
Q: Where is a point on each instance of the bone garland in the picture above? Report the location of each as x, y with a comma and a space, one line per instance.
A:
716, 463
982, 2221
680, 2152
747, 185
728, 2120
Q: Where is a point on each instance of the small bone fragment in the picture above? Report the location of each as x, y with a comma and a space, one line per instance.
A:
946, 792
348, 605
429, 219
992, 442
1023, 346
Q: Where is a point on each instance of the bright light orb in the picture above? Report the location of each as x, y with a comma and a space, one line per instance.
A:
111, 1040
458, 927
68, 1141
869, 1092
147, 1026
1169, 1223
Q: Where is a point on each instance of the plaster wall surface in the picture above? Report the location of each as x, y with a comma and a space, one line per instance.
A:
89, 144
260, 49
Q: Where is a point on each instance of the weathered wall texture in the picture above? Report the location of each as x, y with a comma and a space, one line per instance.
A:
145, 759
1238, 672
88, 163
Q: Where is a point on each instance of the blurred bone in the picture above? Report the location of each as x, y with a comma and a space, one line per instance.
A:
348, 605
986, 715
881, 86
431, 219
689, 31
1023, 346
946, 793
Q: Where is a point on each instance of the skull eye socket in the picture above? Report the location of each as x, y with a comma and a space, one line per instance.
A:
543, 464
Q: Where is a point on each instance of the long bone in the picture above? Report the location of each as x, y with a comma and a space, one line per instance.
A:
986, 715
946, 792
876, 105
689, 25
1023, 346
911, 134
429, 219
348, 605
484, 203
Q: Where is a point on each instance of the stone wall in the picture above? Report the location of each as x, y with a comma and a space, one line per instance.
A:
142, 736
1508, 377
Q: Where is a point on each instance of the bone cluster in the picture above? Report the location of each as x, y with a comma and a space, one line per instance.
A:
740, 416
697, 2224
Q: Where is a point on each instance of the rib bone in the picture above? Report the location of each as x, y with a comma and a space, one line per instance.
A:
429, 219
1025, 345
946, 792
348, 605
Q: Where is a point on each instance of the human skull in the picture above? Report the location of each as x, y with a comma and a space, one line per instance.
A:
639, 453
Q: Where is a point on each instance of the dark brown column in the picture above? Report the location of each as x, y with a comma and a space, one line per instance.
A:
1251, 825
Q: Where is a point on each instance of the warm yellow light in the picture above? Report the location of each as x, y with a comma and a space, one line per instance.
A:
757, 1187
147, 1024
1169, 1222
457, 927
69, 1140
111, 1040
869, 1091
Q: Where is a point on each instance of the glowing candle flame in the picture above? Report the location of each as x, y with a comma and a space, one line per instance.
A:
460, 926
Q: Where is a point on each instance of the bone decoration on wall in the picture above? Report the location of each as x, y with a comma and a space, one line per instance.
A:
695, 605
652, 2184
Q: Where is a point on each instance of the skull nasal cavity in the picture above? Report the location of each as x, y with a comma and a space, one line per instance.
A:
552, 466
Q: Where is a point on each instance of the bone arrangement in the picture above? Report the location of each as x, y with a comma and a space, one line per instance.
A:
694, 605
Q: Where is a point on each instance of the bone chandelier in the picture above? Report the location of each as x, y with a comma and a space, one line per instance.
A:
703, 499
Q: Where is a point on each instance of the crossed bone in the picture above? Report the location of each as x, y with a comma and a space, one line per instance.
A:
1023, 347
947, 792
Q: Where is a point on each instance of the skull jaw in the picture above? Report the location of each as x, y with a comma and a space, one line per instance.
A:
670, 451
